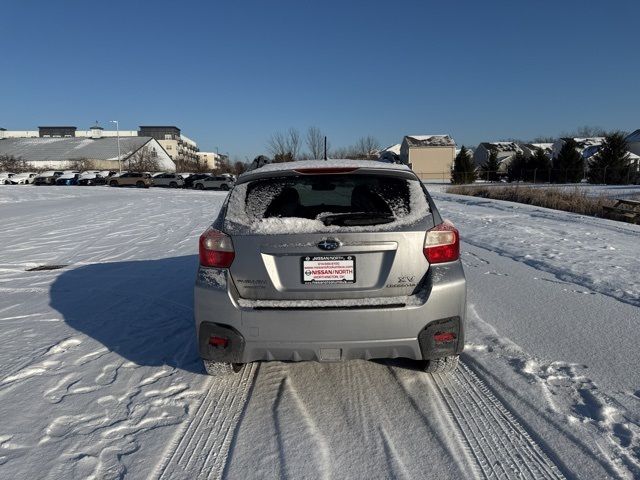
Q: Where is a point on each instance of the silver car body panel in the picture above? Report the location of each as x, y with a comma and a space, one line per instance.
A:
360, 331
395, 295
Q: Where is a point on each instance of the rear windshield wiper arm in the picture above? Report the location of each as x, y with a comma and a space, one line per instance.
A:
357, 218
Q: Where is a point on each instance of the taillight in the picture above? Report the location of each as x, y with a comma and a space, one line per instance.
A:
216, 341
442, 243
216, 249
444, 337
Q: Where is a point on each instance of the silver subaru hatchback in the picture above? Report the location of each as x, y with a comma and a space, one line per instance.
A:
329, 261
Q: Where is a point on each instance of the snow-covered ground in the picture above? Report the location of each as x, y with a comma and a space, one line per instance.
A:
611, 191
99, 375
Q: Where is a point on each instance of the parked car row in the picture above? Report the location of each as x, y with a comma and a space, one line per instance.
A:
200, 181
8, 178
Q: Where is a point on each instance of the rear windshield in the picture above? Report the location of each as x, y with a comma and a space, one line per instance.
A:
316, 203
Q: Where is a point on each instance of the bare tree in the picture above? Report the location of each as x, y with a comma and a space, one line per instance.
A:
277, 144
81, 164
239, 167
285, 144
367, 147
9, 163
294, 142
586, 131
315, 143
543, 139
143, 160
191, 166
343, 152
223, 165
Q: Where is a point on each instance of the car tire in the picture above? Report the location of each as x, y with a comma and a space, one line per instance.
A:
113, 183
442, 365
199, 186
140, 184
221, 369
173, 185
224, 187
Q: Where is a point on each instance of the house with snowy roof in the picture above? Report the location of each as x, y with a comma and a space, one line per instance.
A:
429, 156
529, 149
504, 150
633, 145
587, 146
633, 142
101, 152
390, 154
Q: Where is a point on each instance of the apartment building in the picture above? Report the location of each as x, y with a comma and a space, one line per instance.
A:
179, 147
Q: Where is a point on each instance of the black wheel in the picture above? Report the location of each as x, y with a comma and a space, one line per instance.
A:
140, 184
221, 369
224, 187
442, 365
173, 185
199, 186
113, 183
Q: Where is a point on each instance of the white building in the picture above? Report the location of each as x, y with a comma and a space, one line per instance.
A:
179, 147
102, 153
210, 160
4, 133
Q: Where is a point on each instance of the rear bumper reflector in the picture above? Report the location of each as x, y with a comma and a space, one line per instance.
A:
440, 338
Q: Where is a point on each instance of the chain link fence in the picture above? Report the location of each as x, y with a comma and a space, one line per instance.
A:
608, 176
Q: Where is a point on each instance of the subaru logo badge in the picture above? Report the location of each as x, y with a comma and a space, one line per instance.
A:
329, 244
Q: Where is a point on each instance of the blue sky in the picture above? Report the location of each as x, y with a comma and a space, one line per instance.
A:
232, 73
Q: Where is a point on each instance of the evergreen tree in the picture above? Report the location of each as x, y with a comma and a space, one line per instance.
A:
538, 166
464, 170
568, 166
490, 168
517, 168
611, 164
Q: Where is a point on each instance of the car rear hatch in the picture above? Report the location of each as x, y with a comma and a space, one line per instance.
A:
347, 234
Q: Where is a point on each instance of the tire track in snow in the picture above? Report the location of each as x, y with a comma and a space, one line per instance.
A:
200, 448
501, 447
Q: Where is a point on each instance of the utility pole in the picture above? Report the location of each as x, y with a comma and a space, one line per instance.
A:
325, 147
118, 135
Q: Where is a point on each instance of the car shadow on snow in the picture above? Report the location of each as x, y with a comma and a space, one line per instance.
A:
142, 310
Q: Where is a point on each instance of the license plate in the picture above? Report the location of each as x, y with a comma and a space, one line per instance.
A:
328, 269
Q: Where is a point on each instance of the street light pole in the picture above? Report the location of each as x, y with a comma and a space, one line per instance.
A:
118, 135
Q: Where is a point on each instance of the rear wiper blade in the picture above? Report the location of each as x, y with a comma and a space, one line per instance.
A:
357, 218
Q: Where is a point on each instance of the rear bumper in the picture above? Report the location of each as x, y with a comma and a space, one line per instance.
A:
330, 334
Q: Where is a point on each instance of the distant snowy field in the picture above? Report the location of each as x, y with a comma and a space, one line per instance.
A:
99, 375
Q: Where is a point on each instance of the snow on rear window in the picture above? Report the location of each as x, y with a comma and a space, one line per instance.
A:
325, 203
